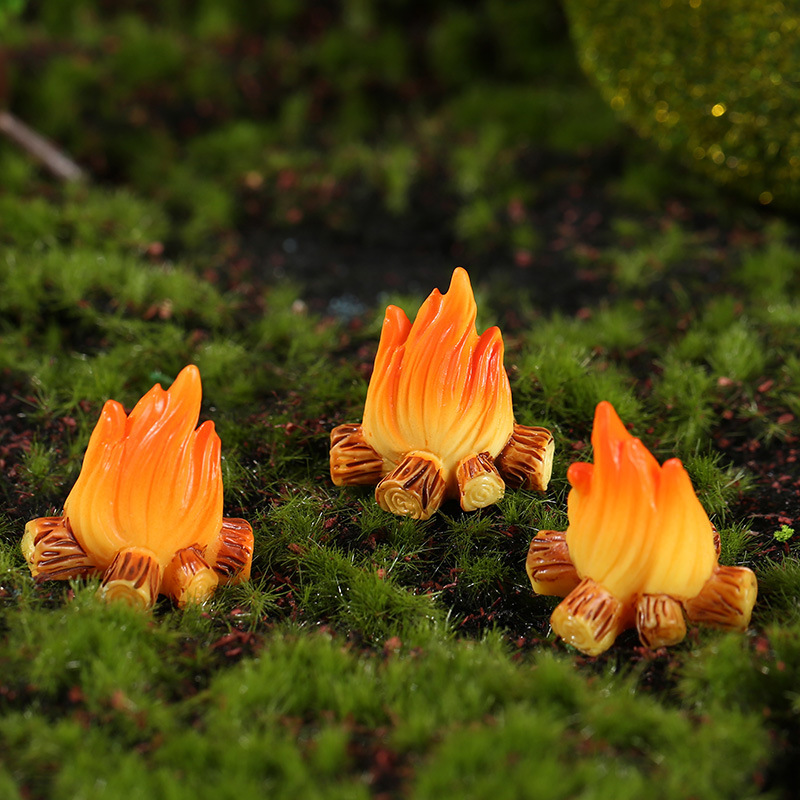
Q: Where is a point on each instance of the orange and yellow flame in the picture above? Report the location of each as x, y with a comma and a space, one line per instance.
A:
437, 386
636, 527
151, 479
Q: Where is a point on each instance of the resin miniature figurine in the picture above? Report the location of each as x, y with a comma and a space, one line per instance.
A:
639, 551
146, 510
438, 420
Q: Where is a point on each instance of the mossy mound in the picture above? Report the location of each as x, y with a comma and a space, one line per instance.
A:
714, 81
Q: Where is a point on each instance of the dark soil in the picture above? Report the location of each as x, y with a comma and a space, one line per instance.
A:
344, 273
774, 500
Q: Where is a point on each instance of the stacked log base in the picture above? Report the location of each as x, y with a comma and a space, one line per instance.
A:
590, 617
135, 575
419, 483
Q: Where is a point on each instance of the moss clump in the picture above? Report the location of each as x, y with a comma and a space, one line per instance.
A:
712, 81
338, 112
9, 7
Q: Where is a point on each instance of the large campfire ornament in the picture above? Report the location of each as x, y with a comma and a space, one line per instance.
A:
438, 421
146, 510
639, 551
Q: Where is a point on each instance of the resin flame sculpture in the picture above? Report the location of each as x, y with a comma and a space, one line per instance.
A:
438, 420
146, 510
639, 550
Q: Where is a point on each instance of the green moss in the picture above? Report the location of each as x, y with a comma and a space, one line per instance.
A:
32, 222
107, 650
7, 784
537, 741
769, 273
683, 399
734, 541
129, 110
15, 583
738, 353
358, 599
16, 174
716, 483
750, 677
568, 381
68, 281
530, 510
779, 584
41, 469
95, 219
647, 263
356, 661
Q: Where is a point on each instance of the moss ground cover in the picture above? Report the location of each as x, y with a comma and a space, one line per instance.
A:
264, 182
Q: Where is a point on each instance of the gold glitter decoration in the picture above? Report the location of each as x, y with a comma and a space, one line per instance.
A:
714, 82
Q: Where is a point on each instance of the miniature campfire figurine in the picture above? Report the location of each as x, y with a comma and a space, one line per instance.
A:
438, 420
146, 510
639, 550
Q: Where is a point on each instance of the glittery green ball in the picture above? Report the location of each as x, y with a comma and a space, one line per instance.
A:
716, 82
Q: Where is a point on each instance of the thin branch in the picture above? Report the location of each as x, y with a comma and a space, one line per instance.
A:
40, 148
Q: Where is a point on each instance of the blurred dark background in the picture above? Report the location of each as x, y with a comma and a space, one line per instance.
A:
360, 147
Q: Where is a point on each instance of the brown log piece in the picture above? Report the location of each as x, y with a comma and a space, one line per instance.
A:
549, 566
590, 618
726, 600
188, 578
659, 620
134, 577
526, 461
352, 461
231, 553
479, 482
415, 488
53, 552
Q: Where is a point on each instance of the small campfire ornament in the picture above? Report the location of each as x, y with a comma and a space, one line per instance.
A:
438, 420
639, 550
146, 510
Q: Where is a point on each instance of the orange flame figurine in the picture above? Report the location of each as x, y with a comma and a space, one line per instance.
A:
146, 510
438, 420
639, 550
